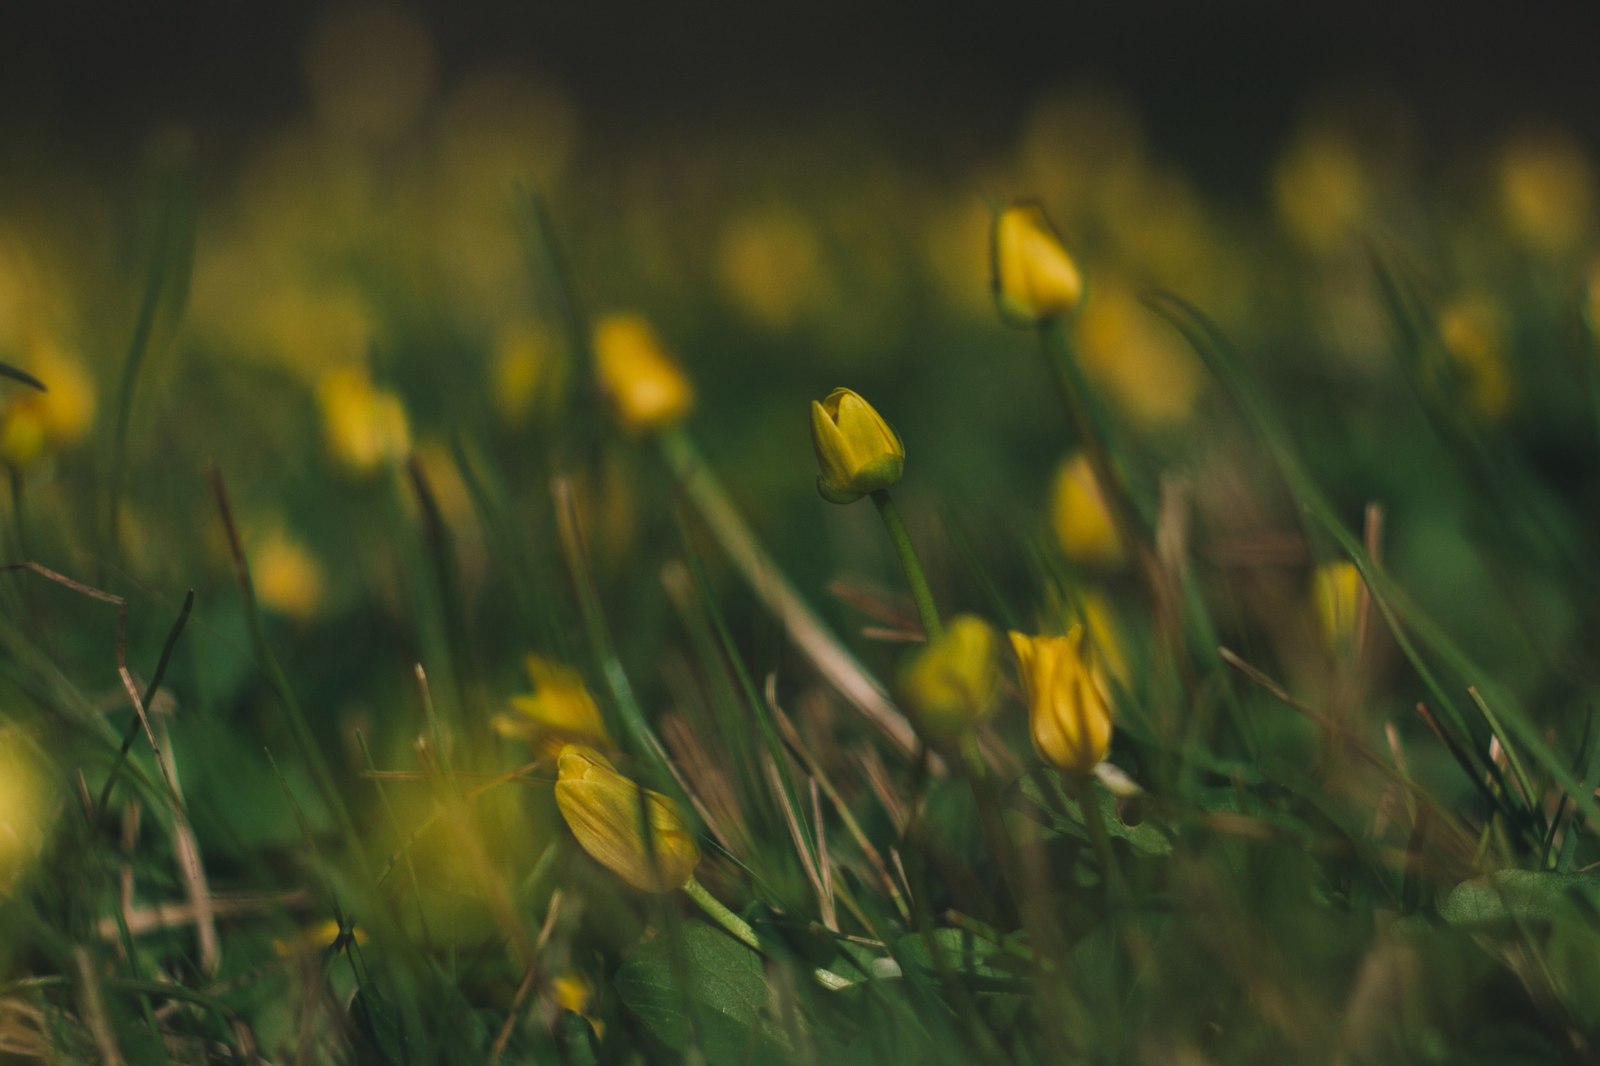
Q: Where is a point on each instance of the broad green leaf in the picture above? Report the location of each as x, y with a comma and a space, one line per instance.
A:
1523, 895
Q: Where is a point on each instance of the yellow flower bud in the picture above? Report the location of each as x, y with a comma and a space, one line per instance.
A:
22, 434
1035, 279
365, 427
645, 386
1069, 707
1079, 514
1336, 594
857, 450
559, 710
287, 577
603, 810
950, 683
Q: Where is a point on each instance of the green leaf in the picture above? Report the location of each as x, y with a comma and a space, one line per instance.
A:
963, 951
726, 994
1523, 895
1145, 838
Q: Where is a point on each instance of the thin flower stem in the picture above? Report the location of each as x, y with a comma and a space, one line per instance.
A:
1094, 821
741, 931
920, 592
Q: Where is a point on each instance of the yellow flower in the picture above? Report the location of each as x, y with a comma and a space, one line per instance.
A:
1034, 278
1336, 594
1473, 333
526, 374
857, 450
1547, 189
645, 386
287, 577
558, 710
34, 423
1081, 519
573, 992
950, 683
365, 427
317, 938
603, 809
1069, 708
25, 811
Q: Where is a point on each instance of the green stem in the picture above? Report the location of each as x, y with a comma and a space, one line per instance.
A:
1094, 821
920, 592
741, 931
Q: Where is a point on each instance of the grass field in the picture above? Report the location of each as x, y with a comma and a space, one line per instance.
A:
423, 638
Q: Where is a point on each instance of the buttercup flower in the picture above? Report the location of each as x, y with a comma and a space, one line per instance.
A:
950, 683
558, 710
1069, 707
645, 386
1080, 517
856, 449
603, 810
1336, 594
365, 426
1035, 279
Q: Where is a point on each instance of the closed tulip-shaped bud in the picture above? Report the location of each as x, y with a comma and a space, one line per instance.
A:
647, 389
1069, 708
856, 449
558, 711
950, 683
1080, 516
1035, 279
608, 814
1336, 595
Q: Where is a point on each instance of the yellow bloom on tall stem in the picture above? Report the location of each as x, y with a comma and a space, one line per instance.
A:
858, 451
608, 813
645, 386
1035, 278
1069, 705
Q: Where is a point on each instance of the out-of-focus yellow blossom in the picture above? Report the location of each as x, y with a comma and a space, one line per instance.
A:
1080, 517
949, 684
646, 387
1035, 279
557, 712
1320, 189
1473, 331
1069, 705
287, 577
771, 265
573, 992
1336, 595
33, 423
365, 427
526, 375
24, 810
857, 450
315, 939
1547, 184
1137, 358
604, 811
370, 71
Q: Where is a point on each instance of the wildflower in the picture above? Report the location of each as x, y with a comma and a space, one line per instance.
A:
287, 577
1336, 594
365, 426
1069, 709
573, 992
644, 384
950, 683
25, 811
317, 938
558, 710
1472, 331
604, 810
1547, 189
1080, 516
857, 450
525, 375
35, 423
1035, 280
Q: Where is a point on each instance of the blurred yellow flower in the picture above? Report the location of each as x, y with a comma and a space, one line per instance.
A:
24, 810
1336, 595
1319, 188
646, 387
1100, 629
34, 423
1473, 331
1547, 184
1069, 706
526, 374
287, 577
949, 684
604, 810
1080, 517
365, 427
1136, 358
572, 992
1035, 280
857, 450
314, 939
558, 711
771, 265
